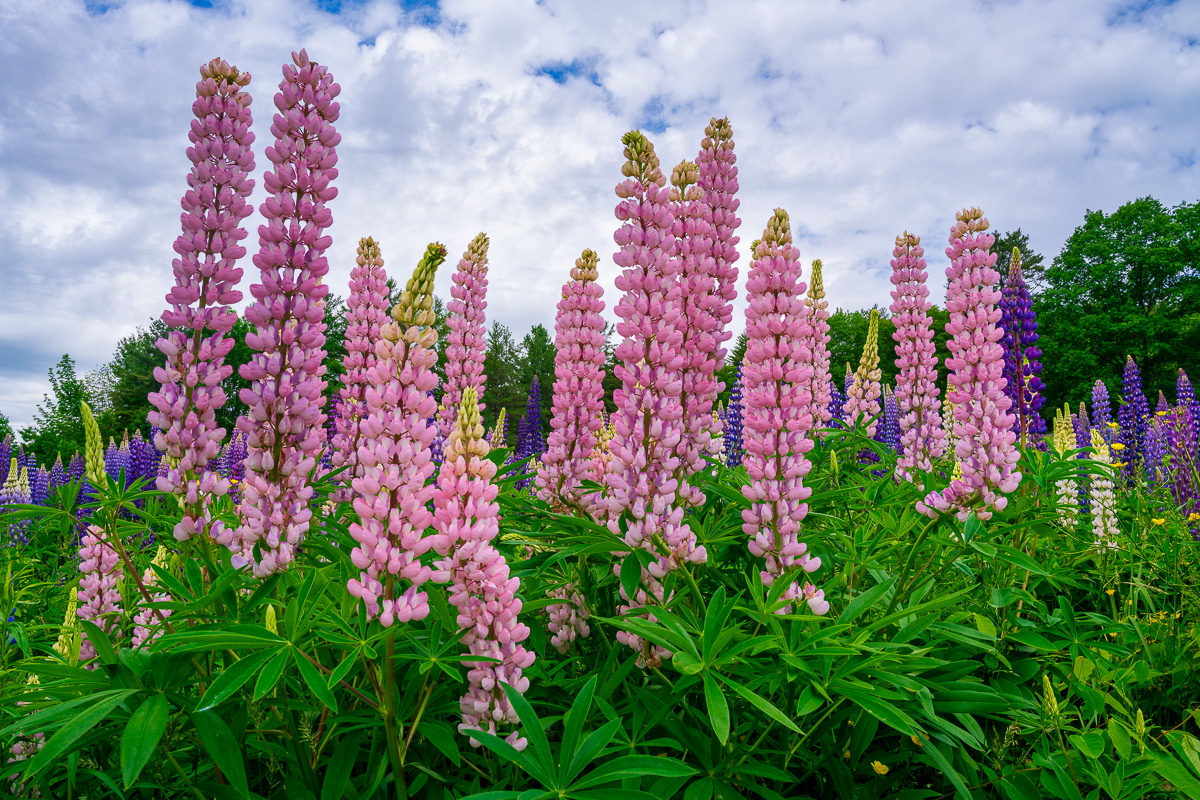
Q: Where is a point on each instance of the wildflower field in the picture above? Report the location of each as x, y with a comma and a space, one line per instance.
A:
781, 585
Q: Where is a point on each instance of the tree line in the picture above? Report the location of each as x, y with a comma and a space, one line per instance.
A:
1126, 283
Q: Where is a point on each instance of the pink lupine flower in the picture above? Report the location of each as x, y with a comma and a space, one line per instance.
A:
642, 476
718, 184
862, 398
982, 424
700, 310
465, 345
776, 372
578, 406
820, 385
147, 625
366, 314
467, 519
99, 598
285, 422
205, 280
391, 496
921, 434
568, 619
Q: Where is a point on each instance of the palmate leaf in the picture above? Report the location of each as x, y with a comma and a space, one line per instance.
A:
233, 678
70, 733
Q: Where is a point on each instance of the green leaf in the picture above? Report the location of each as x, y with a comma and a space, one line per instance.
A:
634, 766
573, 726
511, 754
534, 731
1034, 640
1187, 746
100, 641
341, 764
631, 574
1120, 737
1090, 744
70, 733
1176, 773
714, 620
591, 747
142, 735
762, 705
718, 708
232, 678
316, 684
443, 737
877, 707
864, 601
271, 673
224, 749
1020, 560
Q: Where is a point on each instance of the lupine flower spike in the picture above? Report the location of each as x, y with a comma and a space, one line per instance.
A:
391, 497
578, 389
983, 426
285, 420
206, 277
467, 519
1131, 415
1022, 369
1066, 489
922, 439
99, 598
366, 314
146, 621
465, 345
862, 398
641, 479
778, 370
732, 438
820, 386
1104, 504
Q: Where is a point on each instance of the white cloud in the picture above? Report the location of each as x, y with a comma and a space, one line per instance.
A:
862, 119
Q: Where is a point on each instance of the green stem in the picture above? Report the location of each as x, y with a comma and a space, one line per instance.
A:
389, 710
184, 775
907, 558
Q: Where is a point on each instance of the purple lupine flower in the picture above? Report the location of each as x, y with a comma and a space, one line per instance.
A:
58, 475
392, 495
733, 423
205, 280
578, 410
1185, 396
1101, 410
233, 464
889, 432
778, 372
1157, 464
1083, 439
467, 520
848, 382
641, 478
113, 465
921, 437
1132, 415
5, 457
1022, 369
143, 458
1183, 454
39, 486
820, 386
465, 342
837, 405
366, 314
530, 441
982, 424
700, 310
1163, 405
75, 468
13, 492
285, 423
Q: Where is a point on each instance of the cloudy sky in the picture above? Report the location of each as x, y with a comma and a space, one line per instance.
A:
861, 119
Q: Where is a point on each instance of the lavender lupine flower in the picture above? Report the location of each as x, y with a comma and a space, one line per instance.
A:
922, 439
1177, 430
862, 398
848, 382
1066, 489
14, 492
568, 619
284, 425
820, 386
1104, 504
366, 314
1132, 415
1157, 464
391, 495
1022, 369
700, 310
465, 344
733, 423
99, 598
467, 519
147, 626
116, 461
1163, 405
1185, 397
233, 464
641, 479
578, 410
983, 426
778, 371
205, 280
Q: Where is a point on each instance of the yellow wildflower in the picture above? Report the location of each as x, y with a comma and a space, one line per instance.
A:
1117, 446
846, 754
880, 768
1192, 517
1110, 592
917, 741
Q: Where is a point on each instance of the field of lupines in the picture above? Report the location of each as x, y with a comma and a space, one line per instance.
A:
818, 589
